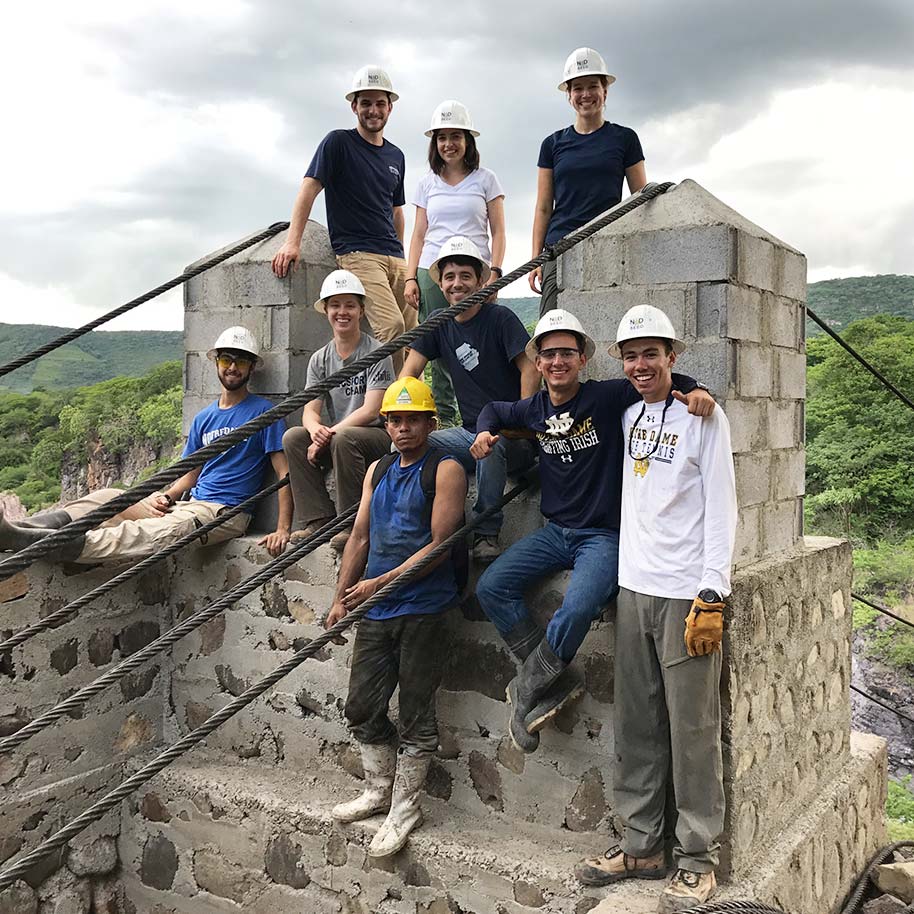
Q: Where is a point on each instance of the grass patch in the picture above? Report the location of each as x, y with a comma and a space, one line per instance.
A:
899, 810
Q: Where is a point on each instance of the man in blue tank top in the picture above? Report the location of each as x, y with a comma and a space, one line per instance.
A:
401, 641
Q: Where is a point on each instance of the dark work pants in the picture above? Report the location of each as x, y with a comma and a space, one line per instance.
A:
407, 651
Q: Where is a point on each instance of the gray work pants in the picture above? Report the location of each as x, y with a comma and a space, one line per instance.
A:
667, 722
549, 298
350, 452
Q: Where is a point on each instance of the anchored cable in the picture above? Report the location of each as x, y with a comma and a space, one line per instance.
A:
867, 365
23, 559
856, 896
71, 335
98, 809
71, 610
883, 609
878, 701
720, 907
81, 697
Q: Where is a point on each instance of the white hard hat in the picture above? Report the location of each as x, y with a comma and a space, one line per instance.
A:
371, 77
645, 321
584, 62
552, 321
451, 114
339, 282
239, 338
458, 246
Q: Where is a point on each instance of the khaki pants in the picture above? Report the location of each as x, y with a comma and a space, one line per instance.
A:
667, 723
132, 540
384, 279
350, 452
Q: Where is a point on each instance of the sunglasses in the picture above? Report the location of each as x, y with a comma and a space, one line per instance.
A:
223, 360
550, 355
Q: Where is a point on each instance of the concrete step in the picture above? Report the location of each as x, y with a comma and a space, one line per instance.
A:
215, 835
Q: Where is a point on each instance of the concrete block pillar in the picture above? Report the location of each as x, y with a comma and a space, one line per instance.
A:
736, 293
243, 291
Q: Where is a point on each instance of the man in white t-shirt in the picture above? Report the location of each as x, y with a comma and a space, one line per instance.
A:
355, 436
675, 552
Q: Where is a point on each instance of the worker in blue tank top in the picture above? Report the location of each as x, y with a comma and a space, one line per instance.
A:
400, 641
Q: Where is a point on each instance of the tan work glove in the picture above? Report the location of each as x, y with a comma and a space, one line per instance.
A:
704, 627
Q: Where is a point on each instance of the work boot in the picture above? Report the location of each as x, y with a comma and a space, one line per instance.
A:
309, 530
378, 763
685, 890
529, 691
49, 520
486, 548
338, 543
405, 813
615, 865
522, 641
14, 538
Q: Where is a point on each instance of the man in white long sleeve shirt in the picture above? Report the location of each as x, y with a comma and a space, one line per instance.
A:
675, 552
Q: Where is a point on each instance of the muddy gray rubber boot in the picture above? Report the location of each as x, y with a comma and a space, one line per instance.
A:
522, 641
49, 520
14, 538
379, 763
405, 812
535, 691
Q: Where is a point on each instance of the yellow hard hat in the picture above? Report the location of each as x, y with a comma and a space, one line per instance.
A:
408, 395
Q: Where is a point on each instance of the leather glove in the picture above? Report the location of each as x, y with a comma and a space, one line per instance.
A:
704, 627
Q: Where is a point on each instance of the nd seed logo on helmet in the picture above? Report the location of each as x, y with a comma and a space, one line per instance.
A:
635, 322
583, 63
374, 79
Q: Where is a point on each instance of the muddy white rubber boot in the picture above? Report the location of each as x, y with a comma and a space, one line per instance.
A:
405, 813
379, 763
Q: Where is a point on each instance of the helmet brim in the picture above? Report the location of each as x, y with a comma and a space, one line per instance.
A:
321, 304
431, 131
351, 95
435, 274
212, 353
615, 349
610, 79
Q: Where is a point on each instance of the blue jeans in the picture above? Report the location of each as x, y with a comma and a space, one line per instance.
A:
490, 473
593, 557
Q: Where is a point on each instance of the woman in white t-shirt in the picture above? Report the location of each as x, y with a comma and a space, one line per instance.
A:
456, 197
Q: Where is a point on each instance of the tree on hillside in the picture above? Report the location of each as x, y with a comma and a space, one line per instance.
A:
859, 436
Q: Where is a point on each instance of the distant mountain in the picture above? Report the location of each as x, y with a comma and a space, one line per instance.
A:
95, 357
527, 308
840, 301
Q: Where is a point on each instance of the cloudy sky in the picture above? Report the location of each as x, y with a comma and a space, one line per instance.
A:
141, 136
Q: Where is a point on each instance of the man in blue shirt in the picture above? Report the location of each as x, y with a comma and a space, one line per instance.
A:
402, 640
362, 174
484, 352
578, 427
223, 482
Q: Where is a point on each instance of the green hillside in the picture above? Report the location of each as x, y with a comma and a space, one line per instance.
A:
840, 301
95, 357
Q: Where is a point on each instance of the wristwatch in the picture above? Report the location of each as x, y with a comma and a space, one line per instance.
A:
710, 596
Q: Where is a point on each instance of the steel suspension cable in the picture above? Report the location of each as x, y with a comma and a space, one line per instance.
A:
71, 610
883, 609
76, 333
884, 704
856, 896
867, 365
80, 698
721, 907
98, 809
23, 559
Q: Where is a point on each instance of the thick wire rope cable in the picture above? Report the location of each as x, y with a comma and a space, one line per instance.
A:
884, 610
867, 365
721, 907
23, 559
98, 809
856, 896
71, 610
76, 333
884, 704
80, 698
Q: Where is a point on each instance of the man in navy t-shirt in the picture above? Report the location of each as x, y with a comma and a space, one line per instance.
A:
578, 427
362, 174
483, 350
222, 482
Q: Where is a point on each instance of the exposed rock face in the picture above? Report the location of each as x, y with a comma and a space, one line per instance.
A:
12, 508
893, 686
104, 469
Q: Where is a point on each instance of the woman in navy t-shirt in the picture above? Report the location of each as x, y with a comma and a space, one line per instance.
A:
581, 167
